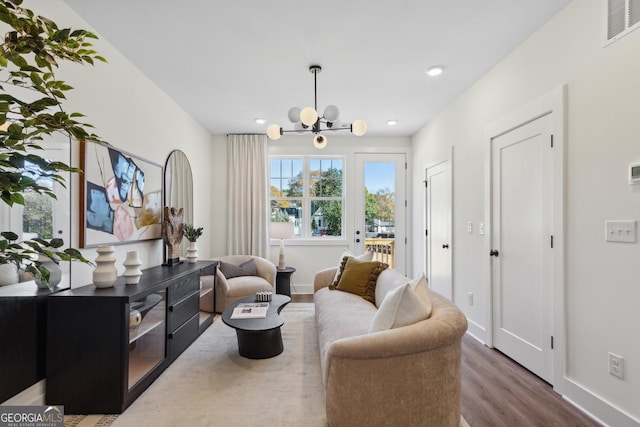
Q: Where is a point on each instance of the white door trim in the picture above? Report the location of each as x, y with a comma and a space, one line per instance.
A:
552, 103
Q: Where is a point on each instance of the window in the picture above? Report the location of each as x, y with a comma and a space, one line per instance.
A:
310, 192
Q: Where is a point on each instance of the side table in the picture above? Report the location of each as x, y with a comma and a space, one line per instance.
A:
283, 280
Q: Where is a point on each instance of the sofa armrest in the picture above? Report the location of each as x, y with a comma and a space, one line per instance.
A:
266, 269
324, 278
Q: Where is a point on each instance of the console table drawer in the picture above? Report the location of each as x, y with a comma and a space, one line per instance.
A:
183, 287
180, 339
181, 311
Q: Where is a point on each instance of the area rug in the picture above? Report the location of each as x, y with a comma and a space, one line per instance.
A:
210, 384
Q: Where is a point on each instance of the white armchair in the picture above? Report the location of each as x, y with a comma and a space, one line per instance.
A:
229, 290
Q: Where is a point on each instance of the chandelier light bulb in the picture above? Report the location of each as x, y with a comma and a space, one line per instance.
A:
308, 116
274, 131
320, 141
359, 127
331, 113
294, 114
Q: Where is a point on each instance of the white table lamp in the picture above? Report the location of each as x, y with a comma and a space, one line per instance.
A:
281, 230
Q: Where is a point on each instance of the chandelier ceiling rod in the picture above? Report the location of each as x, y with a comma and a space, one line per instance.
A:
308, 119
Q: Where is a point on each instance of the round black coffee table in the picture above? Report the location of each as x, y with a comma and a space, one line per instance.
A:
258, 338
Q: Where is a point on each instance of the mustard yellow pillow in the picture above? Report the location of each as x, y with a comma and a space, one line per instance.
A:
359, 277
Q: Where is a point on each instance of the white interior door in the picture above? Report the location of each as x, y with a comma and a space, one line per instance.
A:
380, 207
438, 188
521, 245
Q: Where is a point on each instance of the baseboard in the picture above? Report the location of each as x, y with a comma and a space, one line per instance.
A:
33, 395
301, 289
476, 331
599, 409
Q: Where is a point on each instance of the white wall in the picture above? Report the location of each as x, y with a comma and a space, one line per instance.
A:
307, 258
603, 131
133, 114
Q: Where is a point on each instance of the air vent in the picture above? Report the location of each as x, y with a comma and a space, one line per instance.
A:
621, 17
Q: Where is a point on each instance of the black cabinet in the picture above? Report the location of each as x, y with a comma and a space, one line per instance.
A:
23, 333
106, 346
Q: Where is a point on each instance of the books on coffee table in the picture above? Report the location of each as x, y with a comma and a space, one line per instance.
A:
250, 310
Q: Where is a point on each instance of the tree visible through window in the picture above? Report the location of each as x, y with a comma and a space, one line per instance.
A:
310, 192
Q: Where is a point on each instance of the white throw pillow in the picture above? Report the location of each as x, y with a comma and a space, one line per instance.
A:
403, 306
366, 257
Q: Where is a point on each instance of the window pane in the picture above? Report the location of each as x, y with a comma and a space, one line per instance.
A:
326, 218
291, 208
325, 177
286, 177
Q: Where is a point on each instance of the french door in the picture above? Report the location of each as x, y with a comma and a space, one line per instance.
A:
380, 207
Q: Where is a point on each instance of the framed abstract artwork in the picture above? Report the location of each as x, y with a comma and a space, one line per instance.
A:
121, 199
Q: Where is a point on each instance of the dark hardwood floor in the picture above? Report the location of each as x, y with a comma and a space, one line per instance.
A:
496, 392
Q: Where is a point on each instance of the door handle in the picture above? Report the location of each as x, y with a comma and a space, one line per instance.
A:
494, 253
445, 246
357, 240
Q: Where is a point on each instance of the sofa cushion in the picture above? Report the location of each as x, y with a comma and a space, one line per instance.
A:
403, 306
359, 277
245, 269
367, 256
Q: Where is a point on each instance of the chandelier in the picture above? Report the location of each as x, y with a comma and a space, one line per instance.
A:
308, 119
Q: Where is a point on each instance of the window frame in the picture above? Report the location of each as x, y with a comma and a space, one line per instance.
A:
305, 232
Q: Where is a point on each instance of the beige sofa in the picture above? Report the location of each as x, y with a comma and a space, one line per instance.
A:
408, 376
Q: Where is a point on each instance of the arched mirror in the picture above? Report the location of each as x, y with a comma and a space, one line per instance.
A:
178, 186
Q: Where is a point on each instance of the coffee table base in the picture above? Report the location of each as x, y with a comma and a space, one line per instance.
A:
260, 344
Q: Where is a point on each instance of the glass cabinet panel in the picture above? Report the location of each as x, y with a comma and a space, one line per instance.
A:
147, 333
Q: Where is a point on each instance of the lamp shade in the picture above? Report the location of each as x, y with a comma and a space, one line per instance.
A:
294, 114
274, 131
308, 116
281, 230
359, 127
320, 141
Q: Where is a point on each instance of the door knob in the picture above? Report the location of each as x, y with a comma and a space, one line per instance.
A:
358, 232
493, 252
445, 246
357, 240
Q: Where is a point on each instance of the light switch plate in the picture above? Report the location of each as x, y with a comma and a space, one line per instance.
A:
620, 231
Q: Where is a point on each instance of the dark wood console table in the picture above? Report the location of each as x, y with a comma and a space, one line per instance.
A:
106, 346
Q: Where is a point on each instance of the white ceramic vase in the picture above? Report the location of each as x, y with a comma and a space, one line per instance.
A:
8, 274
106, 274
192, 252
55, 273
132, 270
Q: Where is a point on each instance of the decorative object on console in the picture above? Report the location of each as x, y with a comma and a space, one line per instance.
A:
172, 232
308, 119
192, 234
263, 296
132, 270
281, 230
122, 197
106, 274
8, 274
55, 273
134, 319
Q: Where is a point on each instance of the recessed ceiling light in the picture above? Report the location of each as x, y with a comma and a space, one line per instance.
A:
434, 71
260, 121
392, 122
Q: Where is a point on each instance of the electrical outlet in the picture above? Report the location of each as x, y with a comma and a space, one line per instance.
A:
470, 298
616, 365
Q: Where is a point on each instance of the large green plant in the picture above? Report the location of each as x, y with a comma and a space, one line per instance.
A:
30, 111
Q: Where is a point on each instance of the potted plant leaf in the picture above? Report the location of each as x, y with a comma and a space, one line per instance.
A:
31, 111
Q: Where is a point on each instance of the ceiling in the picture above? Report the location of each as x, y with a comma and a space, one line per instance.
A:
230, 62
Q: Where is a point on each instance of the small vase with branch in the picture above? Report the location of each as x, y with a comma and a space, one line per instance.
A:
192, 234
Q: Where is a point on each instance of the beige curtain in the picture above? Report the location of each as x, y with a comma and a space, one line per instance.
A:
248, 209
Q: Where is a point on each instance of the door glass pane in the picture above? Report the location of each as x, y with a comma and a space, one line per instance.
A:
379, 210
